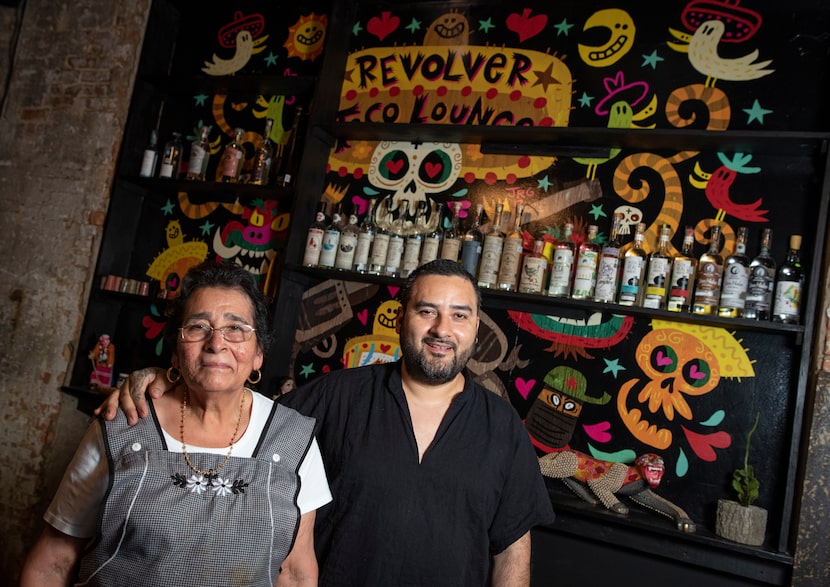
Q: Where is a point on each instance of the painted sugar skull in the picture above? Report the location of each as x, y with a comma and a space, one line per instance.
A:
631, 216
413, 171
678, 365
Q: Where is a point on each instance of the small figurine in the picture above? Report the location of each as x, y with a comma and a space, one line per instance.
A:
595, 480
102, 356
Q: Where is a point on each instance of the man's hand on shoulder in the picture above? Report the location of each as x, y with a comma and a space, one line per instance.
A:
131, 395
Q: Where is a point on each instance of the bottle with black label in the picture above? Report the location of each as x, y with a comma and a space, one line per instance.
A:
761, 281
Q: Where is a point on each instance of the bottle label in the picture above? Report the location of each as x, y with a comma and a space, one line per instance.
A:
630, 282
313, 246
148, 163
470, 254
607, 276
230, 162
361, 253
560, 277
490, 257
393, 254
533, 275
346, 251
787, 298
379, 250
680, 285
586, 274
430, 250
450, 249
658, 269
707, 291
411, 255
331, 238
510, 259
197, 156
735, 283
759, 290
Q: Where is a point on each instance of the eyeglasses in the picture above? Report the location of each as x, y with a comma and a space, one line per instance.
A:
201, 332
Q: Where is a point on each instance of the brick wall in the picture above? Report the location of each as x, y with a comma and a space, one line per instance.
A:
62, 119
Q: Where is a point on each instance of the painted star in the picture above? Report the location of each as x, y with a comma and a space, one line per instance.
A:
207, 227
545, 78
167, 208
271, 59
543, 183
413, 26
563, 27
651, 59
585, 100
200, 99
485, 25
613, 367
596, 212
356, 28
756, 112
307, 370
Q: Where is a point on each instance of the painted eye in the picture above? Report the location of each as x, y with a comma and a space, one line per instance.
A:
697, 372
663, 359
555, 399
394, 165
435, 168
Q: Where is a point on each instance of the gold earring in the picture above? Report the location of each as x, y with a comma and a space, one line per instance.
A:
258, 377
173, 375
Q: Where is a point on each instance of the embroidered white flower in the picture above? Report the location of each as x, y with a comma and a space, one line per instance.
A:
197, 484
221, 486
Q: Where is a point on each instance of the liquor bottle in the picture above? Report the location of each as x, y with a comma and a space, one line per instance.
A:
230, 165
709, 275
683, 272
562, 267
471, 243
585, 275
380, 246
397, 241
451, 245
414, 241
633, 269
151, 156
789, 285
534, 270
171, 159
608, 269
199, 156
432, 239
735, 280
761, 281
331, 239
365, 237
290, 161
346, 248
491, 249
511, 258
263, 157
658, 272
314, 238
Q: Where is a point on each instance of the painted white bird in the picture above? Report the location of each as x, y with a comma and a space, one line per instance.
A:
245, 47
703, 55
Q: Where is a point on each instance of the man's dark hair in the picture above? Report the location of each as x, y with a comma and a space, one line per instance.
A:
443, 267
222, 275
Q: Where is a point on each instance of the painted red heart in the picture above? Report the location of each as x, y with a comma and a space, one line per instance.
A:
394, 166
326, 369
384, 25
526, 26
363, 316
384, 348
599, 431
663, 360
704, 444
695, 373
393, 290
524, 387
432, 169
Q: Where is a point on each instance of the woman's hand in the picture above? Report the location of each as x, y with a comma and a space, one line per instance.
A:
131, 395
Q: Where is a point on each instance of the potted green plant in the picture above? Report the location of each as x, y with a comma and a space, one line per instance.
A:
740, 521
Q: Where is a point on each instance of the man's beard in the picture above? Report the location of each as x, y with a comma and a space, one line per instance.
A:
420, 368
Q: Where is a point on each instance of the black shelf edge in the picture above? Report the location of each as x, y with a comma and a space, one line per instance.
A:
209, 191
234, 85
563, 140
88, 400
538, 304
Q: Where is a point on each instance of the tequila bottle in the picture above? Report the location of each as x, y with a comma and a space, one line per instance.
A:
230, 165
314, 238
735, 280
331, 239
346, 248
562, 267
199, 156
534, 270
171, 160
151, 156
585, 276
263, 157
709, 275
683, 272
488, 271
394, 254
471, 243
364, 240
761, 281
432, 239
789, 285
511, 258
451, 245
608, 270
414, 241
633, 269
658, 272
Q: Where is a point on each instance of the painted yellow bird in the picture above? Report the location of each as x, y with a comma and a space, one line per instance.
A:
703, 55
245, 47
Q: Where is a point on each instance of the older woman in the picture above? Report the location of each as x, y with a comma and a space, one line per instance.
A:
219, 487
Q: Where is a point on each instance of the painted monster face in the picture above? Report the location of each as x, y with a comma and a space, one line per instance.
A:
305, 38
620, 31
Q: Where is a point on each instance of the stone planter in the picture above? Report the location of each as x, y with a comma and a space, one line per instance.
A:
735, 522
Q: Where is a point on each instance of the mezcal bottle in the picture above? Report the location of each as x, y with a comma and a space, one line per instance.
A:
511, 258
683, 272
657, 274
199, 156
534, 270
709, 275
562, 266
488, 271
331, 240
633, 268
788, 286
761, 281
346, 248
263, 157
451, 244
432, 239
314, 238
585, 276
608, 270
365, 237
735, 280
471, 243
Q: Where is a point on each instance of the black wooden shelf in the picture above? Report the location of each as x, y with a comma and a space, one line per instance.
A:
88, 399
580, 309
577, 141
